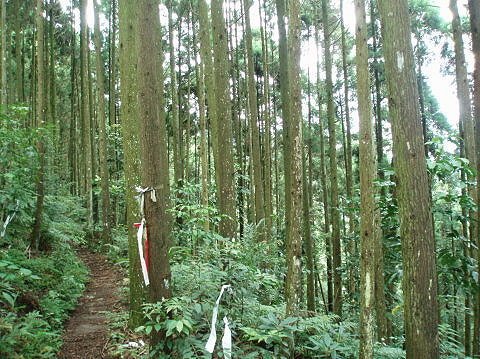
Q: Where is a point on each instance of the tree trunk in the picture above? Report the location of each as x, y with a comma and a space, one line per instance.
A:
370, 220
226, 190
474, 7
85, 113
177, 155
36, 239
348, 158
129, 115
307, 203
416, 227
18, 52
323, 180
334, 208
466, 121
294, 171
254, 132
102, 125
154, 155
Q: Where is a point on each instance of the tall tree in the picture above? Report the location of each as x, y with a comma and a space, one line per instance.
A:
348, 150
416, 226
474, 7
291, 114
102, 126
36, 240
154, 153
175, 115
226, 189
465, 111
323, 180
253, 118
131, 148
332, 142
85, 113
369, 224
294, 232
18, 52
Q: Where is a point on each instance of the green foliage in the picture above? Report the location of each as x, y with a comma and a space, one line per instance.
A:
18, 160
36, 295
179, 319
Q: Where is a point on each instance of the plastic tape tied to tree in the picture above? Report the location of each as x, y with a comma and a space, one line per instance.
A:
140, 233
227, 334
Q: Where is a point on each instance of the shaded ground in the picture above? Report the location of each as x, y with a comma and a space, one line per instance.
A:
86, 334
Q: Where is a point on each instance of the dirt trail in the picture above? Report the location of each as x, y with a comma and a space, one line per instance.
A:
86, 334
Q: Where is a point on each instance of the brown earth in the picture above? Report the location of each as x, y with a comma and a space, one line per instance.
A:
86, 333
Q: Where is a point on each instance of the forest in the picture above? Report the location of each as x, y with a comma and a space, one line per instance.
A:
240, 179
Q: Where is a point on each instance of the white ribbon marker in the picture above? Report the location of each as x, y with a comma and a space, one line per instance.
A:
140, 251
227, 337
141, 229
227, 340
9, 219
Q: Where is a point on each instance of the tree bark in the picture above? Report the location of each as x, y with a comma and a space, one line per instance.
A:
226, 190
474, 7
254, 132
102, 125
154, 155
466, 121
416, 227
131, 148
334, 208
85, 113
369, 222
36, 240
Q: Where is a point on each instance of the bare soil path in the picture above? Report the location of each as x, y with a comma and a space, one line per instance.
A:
86, 334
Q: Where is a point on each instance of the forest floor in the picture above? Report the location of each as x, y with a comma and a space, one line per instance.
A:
86, 333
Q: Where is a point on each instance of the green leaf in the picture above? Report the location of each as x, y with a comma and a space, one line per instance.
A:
179, 326
25, 271
9, 298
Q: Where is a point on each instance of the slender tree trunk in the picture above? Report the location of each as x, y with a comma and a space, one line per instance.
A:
285, 103
85, 113
307, 233
294, 171
203, 138
36, 240
267, 160
112, 102
323, 180
419, 271
335, 213
73, 113
102, 125
466, 121
367, 163
474, 7
51, 78
154, 155
206, 58
130, 124
348, 157
177, 155
254, 132
226, 190
18, 52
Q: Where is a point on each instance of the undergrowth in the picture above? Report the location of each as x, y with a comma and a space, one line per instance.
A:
39, 290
